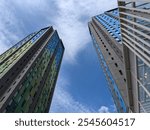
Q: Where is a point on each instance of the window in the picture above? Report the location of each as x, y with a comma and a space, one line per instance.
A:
8, 90
23, 103
120, 72
14, 83
15, 94
19, 76
2, 99
124, 80
116, 64
144, 81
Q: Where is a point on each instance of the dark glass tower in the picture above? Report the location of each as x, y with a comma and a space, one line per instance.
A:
28, 72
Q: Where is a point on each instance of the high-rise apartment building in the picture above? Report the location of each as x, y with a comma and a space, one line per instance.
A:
106, 35
28, 72
135, 30
121, 39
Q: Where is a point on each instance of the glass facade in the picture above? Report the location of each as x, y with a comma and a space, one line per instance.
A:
143, 86
11, 56
111, 24
33, 87
15, 47
135, 28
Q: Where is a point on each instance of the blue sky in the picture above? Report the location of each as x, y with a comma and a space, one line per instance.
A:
81, 85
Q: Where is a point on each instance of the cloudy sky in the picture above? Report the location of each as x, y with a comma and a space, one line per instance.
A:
81, 85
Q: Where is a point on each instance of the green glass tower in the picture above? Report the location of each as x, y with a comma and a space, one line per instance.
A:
28, 72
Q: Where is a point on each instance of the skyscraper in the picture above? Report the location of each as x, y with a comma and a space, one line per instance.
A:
121, 39
28, 72
106, 35
135, 30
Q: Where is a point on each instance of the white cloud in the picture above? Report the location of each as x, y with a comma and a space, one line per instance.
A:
13, 25
64, 102
3, 48
103, 109
34, 7
71, 24
10, 27
72, 20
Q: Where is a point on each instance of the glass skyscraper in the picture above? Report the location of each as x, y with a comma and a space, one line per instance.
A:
121, 39
28, 72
